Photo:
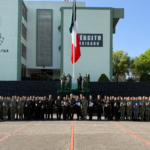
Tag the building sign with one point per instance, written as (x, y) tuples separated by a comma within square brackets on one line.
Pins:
[(1, 39), (4, 50), (91, 40), (1, 42)]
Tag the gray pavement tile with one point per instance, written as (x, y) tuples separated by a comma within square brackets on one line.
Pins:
[(46, 142), (105, 141)]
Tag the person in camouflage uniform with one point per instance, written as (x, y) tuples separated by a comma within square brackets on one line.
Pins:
[(4, 108), (129, 108), (122, 109), (147, 109), (84, 105), (85, 82), (63, 81), (142, 108), (12, 105), (20, 108)]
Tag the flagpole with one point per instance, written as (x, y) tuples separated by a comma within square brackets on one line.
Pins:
[(74, 40)]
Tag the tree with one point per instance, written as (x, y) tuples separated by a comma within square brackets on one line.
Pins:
[(121, 63), (141, 64), (103, 78)]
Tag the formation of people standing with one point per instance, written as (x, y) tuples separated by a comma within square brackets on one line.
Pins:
[(42, 108)]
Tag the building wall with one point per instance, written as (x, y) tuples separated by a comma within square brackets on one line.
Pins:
[(9, 68), (94, 60), (31, 30)]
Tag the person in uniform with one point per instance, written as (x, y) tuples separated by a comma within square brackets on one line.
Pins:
[(142, 108), (64, 104), (129, 108), (28, 109), (36, 109), (4, 109), (107, 107), (71, 106), (91, 106), (84, 105), (136, 108), (42, 108), (25, 108), (81, 98), (85, 82), (58, 107), (98, 106), (67, 99), (104, 109), (8, 110), (12, 105), (122, 109), (20, 107), (51, 105), (147, 109), (115, 108), (68, 82), (63, 79), (78, 107), (111, 107), (31, 107), (79, 81), (16, 109)]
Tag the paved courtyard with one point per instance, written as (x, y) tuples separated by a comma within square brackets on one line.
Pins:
[(74, 135)]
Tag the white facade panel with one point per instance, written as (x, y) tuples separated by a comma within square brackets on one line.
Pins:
[(31, 30), (94, 60), (8, 30)]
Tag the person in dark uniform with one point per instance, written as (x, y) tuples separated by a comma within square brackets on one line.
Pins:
[(67, 99), (107, 107), (71, 106), (111, 107), (50, 104), (98, 106), (78, 107), (104, 109), (58, 107), (64, 104), (28, 106), (36, 109), (79, 81), (31, 107), (91, 107), (116, 108), (42, 107), (81, 98)]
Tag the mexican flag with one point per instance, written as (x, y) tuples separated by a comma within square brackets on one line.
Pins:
[(75, 36)]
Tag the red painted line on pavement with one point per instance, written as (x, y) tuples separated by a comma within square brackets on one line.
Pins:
[(15, 131), (131, 133), (72, 137), (42, 133)]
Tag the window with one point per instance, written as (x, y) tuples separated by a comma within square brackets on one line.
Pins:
[(23, 51), (24, 11), (24, 32)]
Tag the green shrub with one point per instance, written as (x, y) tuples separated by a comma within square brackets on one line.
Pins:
[(103, 78), (130, 80), (145, 77), (56, 80)]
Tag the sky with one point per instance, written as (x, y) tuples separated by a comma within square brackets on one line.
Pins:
[(133, 31)]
